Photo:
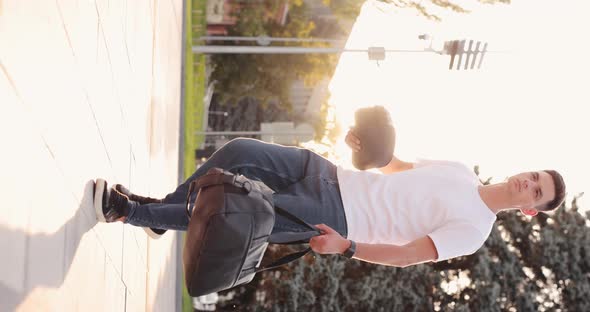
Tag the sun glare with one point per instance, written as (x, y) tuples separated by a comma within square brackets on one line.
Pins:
[(522, 110)]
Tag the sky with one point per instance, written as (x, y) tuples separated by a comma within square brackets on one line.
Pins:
[(525, 109)]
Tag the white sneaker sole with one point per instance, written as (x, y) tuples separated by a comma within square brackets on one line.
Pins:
[(151, 233), (99, 189)]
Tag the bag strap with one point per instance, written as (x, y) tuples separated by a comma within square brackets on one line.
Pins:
[(284, 260), (213, 178), (291, 237), (191, 188)]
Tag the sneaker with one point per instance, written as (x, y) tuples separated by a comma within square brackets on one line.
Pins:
[(109, 205), (151, 232), (140, 199)]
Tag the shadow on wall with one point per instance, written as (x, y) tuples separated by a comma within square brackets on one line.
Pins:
[(38, 246)]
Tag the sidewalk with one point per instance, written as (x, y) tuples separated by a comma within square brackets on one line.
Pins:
[(88, 88)]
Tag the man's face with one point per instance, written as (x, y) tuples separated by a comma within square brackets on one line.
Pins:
[(529, 190)]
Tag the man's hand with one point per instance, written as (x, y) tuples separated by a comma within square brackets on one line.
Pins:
[(353, 141), (330, 242)]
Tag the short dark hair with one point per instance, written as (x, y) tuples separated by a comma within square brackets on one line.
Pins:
[(559, 192)]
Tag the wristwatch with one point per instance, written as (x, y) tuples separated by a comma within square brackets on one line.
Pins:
[(349, 253)]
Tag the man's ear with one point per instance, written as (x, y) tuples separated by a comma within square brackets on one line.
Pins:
[(529, 211)]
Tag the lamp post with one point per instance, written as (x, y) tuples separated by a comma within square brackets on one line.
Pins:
[(454, 48), (263, 41), (374, 53), (266, 40)]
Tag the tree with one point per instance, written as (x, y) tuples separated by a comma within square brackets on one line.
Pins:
[(350, 8), (267, 77)]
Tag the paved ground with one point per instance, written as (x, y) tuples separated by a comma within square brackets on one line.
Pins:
[(88, 88)]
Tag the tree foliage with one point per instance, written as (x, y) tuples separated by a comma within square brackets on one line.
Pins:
[(267, 77), (348, 8)]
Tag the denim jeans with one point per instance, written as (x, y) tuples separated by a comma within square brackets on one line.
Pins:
[(305, 184)]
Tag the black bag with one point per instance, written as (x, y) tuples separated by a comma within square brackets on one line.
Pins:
[(229, 230)]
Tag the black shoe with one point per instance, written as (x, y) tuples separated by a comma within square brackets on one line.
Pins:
[(140, 199), (109, 205), (151, 232)]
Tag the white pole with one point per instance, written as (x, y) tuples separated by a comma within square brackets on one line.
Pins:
[(269, 39), (274, 133), (209, 49), (263, 50)]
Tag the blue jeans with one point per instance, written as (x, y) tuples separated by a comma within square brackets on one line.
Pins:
[(305, 184)]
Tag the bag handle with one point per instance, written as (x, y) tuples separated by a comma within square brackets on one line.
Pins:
[(214, 176), (290, 237), (284, 260), (191, 188)]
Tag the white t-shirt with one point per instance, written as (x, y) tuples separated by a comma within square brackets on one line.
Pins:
[(435, 198)]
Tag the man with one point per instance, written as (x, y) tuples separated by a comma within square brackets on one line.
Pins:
[(415, 213), (430, 210)]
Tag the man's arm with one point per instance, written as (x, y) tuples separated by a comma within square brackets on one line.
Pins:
[(418, 251)]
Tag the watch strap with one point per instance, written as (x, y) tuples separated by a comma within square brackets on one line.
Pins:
[(349, 253)]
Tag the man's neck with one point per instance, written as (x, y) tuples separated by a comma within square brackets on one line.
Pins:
[(396, 165), (494, 196)]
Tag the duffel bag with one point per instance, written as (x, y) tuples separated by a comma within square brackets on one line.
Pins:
[(230, 227)]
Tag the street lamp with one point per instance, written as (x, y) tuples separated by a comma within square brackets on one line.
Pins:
[(454, 48), (265, 40), (374, 53)]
